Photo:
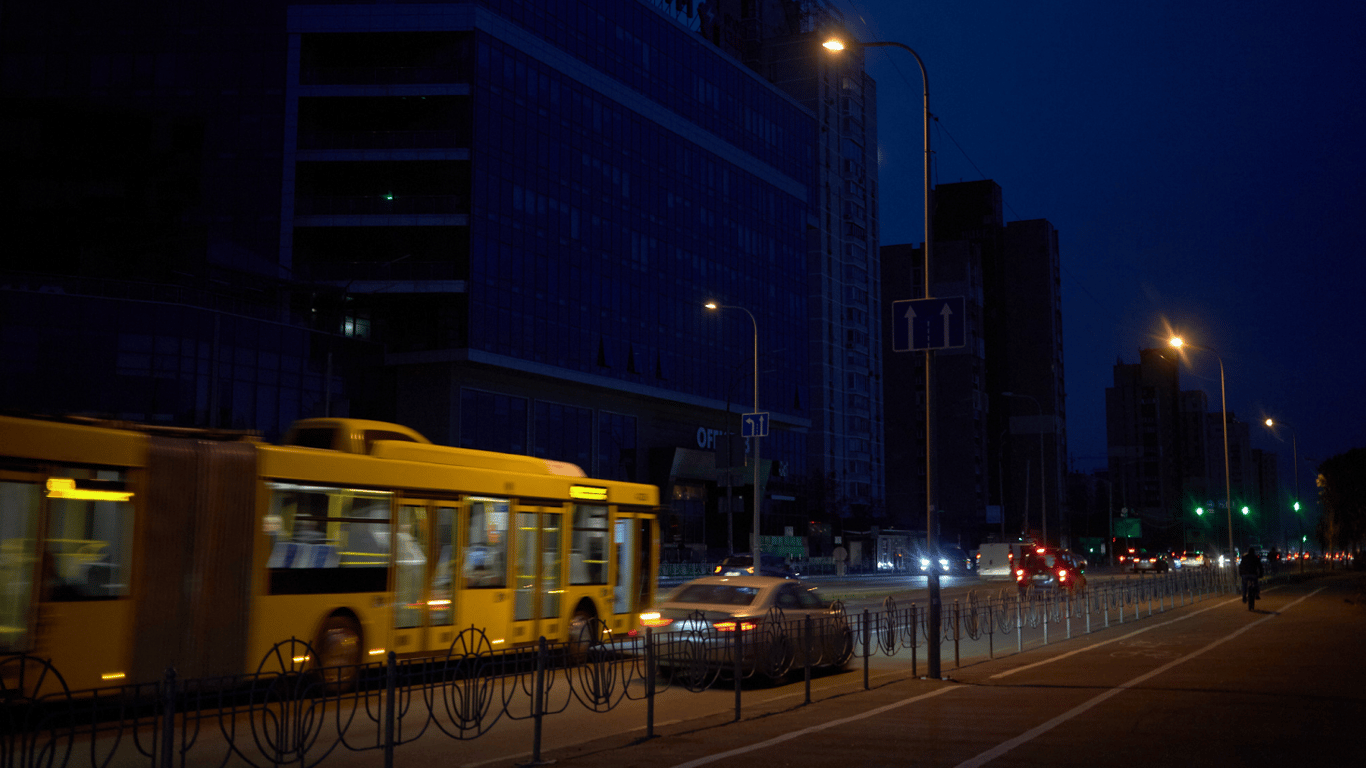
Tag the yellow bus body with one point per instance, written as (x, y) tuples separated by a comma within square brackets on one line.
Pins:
[(171, 550)]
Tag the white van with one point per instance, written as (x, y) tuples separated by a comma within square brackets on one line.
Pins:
[(996, 560)]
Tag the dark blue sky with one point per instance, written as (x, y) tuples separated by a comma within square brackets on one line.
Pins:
[(1203, 162)]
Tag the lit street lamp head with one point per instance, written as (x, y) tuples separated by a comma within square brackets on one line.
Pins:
[(1175, 341), (834, 44)]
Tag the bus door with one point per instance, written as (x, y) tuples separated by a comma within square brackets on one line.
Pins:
[(483, 599), (423, 546), (20, 497), (633, 544), (538, 589), (66, 540)]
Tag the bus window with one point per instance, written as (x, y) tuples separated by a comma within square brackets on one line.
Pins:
[(18, 561), (88, 539), (625, 542), (588, 552), (441, 613), (327, 540), (410, 563), (485, 561)]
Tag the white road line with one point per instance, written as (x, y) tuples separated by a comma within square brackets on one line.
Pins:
[(812, 729), (1004, 747), (1094, 646)]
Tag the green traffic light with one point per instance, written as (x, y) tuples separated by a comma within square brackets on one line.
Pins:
[(1199, 511), (1297, 506), (1245, 510)]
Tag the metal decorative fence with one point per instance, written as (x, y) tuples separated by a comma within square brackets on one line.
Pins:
[(287, 713)]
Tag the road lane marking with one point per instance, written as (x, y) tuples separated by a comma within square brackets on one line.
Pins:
[(1030, 735), (1094, 646), (813, 729)]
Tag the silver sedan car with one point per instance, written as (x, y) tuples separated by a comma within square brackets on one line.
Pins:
[(699, 626)]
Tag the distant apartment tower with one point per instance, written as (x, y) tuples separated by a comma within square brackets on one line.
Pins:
[(999, 461), (1167, 461), (1144, 441)]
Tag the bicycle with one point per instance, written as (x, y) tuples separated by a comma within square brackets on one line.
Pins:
[(1252, 591)]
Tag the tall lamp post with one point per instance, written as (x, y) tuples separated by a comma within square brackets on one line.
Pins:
[(1178, 343), (1043, 473), (1295, 457), (756, 494), (932, 652)]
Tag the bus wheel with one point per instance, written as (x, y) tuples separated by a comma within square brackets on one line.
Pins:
[(339, 652)]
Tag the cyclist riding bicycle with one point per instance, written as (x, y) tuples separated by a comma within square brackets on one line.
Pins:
[(1250, 568)]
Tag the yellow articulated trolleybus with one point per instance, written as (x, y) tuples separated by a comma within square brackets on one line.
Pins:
[(126, 550)]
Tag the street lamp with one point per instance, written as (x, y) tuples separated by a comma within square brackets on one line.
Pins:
[(1178, 343), (932, 655), (756, 494), (1295, 457), (1043, 475)]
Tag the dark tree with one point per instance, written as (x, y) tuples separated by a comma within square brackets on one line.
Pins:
[(1342, 499)]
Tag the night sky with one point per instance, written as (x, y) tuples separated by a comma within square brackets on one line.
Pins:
[(1203, 163)]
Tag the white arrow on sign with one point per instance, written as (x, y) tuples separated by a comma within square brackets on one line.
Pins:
[(946, 313)]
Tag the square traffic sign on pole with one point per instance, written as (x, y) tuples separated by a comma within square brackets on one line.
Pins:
[(921, 324), (754, 425)]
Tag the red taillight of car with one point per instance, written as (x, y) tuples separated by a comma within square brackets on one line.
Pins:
[(654, 620), (1019, 574), (730, 626), (1062, 574)]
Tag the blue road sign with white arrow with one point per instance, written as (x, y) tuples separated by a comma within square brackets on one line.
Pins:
[(920, 324), (754, 425)]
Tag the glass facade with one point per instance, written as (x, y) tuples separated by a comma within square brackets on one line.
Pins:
[(597, 232), (494, 221), (165, 363), (607, 173)]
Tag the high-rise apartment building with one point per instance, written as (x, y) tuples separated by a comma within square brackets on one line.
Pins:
[(1167, 461), (1144, 436), (1000, 460)]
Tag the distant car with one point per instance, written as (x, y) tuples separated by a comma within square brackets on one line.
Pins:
[(695, 626), (743, 565), (1191, 558), (950, 559), (1154, 562), (1050, 568)]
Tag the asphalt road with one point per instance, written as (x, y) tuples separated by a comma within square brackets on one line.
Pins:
[(1205, 684)]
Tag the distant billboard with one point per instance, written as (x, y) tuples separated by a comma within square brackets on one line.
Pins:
[(1129, 527)]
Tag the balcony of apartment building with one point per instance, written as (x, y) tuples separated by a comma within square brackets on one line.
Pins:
[(387, 126), (385, 58), (384, 126)]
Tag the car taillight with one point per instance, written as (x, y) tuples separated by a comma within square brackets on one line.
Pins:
[(1062, 574), (654, 620), (730, 626), (1019, 574)]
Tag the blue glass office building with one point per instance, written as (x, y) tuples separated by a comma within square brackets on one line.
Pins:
[(554, 190), (499, 221)]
